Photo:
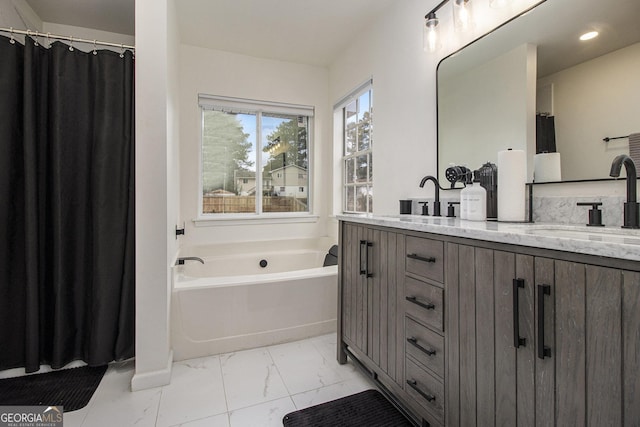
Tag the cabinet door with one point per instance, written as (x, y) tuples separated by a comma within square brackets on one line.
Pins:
[(353, 286), (490, 379), (382, 308), (370, 273), (589, 353)]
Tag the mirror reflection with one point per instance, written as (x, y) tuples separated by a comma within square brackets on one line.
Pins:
[(534, 85)]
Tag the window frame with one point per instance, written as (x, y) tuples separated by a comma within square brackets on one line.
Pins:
[(258, 108), (340, 108)]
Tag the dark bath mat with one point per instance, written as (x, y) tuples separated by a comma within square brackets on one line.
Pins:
[(70, 388), (368, 408)]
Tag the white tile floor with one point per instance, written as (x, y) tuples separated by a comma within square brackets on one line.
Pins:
[(247, 388)]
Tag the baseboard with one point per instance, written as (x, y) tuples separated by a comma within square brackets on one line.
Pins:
[(190, 349), (146, 380)]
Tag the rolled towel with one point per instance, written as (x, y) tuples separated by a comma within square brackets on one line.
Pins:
[(634, 148)]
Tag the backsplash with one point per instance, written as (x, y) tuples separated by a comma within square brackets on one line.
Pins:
[(556, 209), (564, 210)]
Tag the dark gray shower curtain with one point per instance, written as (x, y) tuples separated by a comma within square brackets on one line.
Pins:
[(66, 206)]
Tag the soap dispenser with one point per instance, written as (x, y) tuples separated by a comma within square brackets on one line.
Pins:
[(476, 200), (464, 196)]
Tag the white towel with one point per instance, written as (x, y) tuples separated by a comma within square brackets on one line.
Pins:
[(634, 148)]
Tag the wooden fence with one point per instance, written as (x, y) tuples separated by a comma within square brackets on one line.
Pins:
[(247, 204)]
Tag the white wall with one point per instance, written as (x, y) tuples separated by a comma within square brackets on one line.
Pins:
[(404, 92), (593, 100), (154, 224), (228, 74)]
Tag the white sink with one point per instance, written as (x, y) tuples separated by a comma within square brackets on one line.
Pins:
[(604, 234)]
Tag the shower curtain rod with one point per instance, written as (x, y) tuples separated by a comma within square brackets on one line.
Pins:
[(71, 39)]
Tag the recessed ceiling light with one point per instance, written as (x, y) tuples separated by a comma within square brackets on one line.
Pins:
[(588, 36)]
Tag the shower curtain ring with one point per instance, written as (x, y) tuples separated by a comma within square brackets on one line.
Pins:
[(71, 43), (12, 40), (121, 50), (94, 48), (36, 42), (48, 40)]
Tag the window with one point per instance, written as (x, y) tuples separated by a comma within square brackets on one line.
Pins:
[(357, 151), (249, 150)]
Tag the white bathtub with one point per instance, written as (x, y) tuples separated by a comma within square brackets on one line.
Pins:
[(232, 303)]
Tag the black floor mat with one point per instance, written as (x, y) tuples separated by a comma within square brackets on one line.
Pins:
[(70, 388), (368, 408)]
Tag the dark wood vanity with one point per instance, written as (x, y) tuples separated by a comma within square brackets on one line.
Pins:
[(466, 332)]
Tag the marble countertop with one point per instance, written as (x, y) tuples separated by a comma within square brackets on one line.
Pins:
[(612, 242)]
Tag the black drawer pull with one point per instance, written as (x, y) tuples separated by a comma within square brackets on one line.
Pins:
[(517, 340), (421, 258), (427, 305), (368, 273), (414, 342), (414, 385), (363, 268), (543, 351)]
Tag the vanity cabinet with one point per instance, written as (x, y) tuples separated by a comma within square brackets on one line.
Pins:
[(465, 332), (369, 291), (533, 340), (391, 308)]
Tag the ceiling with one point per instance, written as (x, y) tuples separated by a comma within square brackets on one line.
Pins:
[(116, 16), (305, 31)]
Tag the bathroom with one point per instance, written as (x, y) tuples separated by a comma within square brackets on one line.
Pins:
[(387, 47)]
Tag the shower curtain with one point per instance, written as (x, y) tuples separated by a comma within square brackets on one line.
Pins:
[(66, 205)]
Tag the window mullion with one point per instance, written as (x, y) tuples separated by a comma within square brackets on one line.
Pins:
[(259, 162)]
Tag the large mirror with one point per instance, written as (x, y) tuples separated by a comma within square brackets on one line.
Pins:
[(533, 85)]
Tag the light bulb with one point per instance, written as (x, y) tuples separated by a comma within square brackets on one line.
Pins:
[(462, 15), (430, 41)]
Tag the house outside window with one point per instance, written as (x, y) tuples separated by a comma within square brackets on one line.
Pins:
[(357, 160), (253, 154)]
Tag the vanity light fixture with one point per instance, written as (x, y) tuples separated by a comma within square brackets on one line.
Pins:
[(588, 36), (430, 38), (430, 33), (462, 15)]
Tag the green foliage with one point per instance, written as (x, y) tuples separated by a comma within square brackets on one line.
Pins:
[(288, 145), (225, 149)]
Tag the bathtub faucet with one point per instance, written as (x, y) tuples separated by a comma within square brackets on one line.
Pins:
[(181, 261)]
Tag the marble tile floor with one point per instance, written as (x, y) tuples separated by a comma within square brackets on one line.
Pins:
[(248, 388)]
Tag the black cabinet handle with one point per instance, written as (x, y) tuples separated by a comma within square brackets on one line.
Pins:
[(421, 258), (363, 269), (367, 272), (414, 342), (543, 351), (517, 340), (414, 385), (428, 305)]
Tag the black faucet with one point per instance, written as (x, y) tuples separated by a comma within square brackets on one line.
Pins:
[(436, 203), (181, 261), (631, 210)]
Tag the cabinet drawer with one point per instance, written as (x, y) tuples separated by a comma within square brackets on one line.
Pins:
[(425, 346), (425, 257), (424, 302), (425, 389)]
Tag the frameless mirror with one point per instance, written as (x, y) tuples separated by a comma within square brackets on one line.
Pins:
[(492, 92)]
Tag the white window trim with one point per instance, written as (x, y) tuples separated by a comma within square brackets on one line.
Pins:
[(339, 156), (209, 102)]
